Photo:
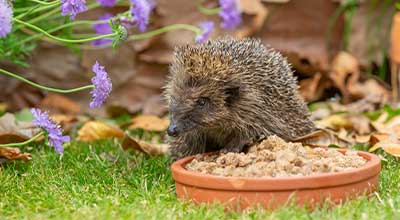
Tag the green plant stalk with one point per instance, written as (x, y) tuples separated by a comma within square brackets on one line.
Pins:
[(348, 17), (332, 20), (91, 6), (207, 11), (164, 30), (59, 28), (63, 39), (43, 2), (41, 8), (24, 142), (7, 73)]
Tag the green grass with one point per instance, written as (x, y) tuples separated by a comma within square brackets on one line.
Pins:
[(100, 181)]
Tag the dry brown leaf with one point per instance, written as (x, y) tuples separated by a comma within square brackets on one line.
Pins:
[(360, 123), (96, 130), (344, 73), (390, 148), (60, 103), (12, 130), (148, 148), (320, 113), (67, 122), (311, 89), (62, 119), (393, 149), (334, 122), (13, 153), (362, 139), (390, 127), (371, 87), (149, 123), (378, 137), (323, 138), (260, 12)]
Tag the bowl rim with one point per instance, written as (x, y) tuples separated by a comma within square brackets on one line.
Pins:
[(369, 170)]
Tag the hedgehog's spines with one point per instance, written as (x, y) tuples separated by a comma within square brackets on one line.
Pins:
[(253, 86)]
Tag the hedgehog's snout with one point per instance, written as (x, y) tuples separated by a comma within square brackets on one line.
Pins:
[(172, 130)]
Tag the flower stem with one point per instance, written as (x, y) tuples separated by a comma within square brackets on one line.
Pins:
[(83, 22), (23, 143), (5, 72), (56, 11), (63, 39), (44, 2), (207, 11), (41, 8), (165, 29)]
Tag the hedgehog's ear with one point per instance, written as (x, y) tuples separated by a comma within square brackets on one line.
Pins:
[(232, 95)]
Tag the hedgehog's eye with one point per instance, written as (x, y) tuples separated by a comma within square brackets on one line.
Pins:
[(202, 101)]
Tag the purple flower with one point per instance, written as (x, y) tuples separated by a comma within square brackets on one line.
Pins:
[(102, 86), (141, 12), (103, 28), (206, 27), (73, 7), (230, 14), (107, 3), (56, 139), (5, 18)]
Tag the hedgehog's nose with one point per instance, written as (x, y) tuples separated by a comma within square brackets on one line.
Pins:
[(172, 130)]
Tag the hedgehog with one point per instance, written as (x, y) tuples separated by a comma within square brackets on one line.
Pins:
[(226, 94)]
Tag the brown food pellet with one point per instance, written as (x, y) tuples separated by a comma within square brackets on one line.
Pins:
[(274, 157)]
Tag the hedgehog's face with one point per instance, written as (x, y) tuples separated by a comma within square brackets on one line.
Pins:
[(196, 106)]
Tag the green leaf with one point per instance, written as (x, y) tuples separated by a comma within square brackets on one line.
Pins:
[(24, 115)]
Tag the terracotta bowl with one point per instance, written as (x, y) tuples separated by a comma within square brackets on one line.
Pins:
[(272, 193)]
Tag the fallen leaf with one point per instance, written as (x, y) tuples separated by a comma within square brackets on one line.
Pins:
[(12, 130), (96, 130), (60, 103), (260, 12), (312, 89), (390, 127), (362, 139), (393, 149), (368, 103), (13, 153), (68, 122), (323, 138), (390, 148), (344, 73), (149, 123), (378, 137), (334, 122), (148, 148), (368, 88), (320, 113), (393, 126), (360, 123)]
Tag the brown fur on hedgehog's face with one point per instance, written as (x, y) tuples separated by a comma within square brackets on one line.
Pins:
[(198, 90), (195, 104)]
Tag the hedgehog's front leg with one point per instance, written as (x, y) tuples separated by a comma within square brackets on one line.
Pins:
[(236, 144), (186, 146)]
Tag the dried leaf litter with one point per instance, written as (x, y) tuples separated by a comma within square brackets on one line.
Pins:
[(274, 157)]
